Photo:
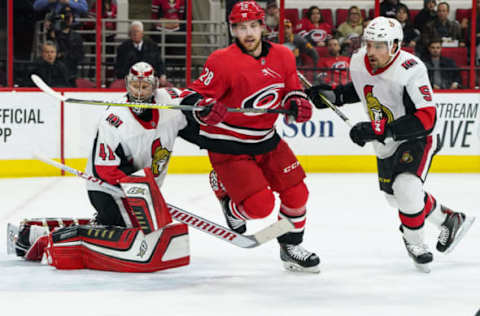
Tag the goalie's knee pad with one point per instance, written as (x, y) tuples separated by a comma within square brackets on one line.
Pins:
[(295, 197), (259, 205)]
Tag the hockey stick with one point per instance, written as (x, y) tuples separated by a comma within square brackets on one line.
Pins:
[(277, 229), (48, 90), (325, 100)]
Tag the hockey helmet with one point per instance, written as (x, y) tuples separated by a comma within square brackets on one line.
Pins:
[(246, 11), (139, 73), (382, 29)]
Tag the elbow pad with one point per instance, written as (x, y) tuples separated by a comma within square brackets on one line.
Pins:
[(407, 127)]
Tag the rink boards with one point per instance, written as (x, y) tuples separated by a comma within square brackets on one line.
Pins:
[(31, 121)]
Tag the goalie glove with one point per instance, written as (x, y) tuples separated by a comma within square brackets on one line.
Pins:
[(299, 106), (213, 111)]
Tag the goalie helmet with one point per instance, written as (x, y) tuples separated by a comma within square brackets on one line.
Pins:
[(246, 11), (139, 74), (382, 29)]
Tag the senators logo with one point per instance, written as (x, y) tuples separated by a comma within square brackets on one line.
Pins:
[(160, 157), (376, 110), (406, 157)]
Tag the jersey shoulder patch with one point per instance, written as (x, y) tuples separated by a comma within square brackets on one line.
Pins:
[(114, 120), (409, 63)]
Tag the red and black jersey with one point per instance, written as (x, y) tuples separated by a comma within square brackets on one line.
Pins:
[(240, 80), (168, 9), (334, 70)]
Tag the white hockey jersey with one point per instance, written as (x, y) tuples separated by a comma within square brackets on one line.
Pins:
[(400, 88), (125, 144)]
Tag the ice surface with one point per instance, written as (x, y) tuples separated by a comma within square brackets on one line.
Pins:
[(364, 270)]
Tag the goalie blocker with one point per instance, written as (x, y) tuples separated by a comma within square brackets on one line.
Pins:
[(152, 244)]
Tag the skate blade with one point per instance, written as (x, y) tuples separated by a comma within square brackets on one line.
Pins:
[(422, 267), (463, 230), (293, 267), (12, 235)]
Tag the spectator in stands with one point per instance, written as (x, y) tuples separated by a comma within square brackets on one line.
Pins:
[(69, 42), (353, 24), (477, 33), (410, 33), (272, 19), (109, 11), (136, 49), (441, 27), (334, 68), (79, 7), (442, 71), (298, 44), (313, 28), (425, 15), (173, 10), (51, 70), (389, 8)]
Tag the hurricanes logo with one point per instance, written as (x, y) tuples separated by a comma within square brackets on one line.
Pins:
[(406, 157), (160, 157), (376, 111)]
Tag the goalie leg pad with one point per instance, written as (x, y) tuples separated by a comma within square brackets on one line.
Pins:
[(119, 249), (147, 208)]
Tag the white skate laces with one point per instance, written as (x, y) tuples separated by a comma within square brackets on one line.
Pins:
[(298, 252)]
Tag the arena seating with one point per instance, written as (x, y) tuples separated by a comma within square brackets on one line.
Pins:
[(326, 13), (84, 83), (118, 84), (341, 15)]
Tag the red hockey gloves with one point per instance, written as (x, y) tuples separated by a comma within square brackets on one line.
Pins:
[(364, 132), (299, 106), (213, 113)]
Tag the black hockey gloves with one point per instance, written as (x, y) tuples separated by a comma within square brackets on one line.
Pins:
[(325, 90), (363, 132)]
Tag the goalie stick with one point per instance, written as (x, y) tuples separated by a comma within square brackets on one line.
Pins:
[(245, 241), (48, 90), (325, 100)]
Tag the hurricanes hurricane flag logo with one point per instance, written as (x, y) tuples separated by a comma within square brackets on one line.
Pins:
[(379, 114)]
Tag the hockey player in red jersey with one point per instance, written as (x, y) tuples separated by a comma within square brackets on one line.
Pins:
[(393, 86), (248, 156)]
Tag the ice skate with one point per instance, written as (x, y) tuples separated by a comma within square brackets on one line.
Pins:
[(295, 258), (235, 224), (453, 229), (420, 254)]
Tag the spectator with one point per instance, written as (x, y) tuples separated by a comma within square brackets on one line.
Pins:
[(389, 8), (441, 27), (173, 10), (109, 11), (79, 7), (51, 70), (335, 67), (313, 28), (442, 71), (272, 18), (136, 49), (410, 33), (425, 15), (477, 33), (69, 42), (298, 45), (353, 24)]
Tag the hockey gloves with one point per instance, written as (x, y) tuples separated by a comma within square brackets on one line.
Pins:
[(326, 91), (364, 132), (213, 112), (299, 106)]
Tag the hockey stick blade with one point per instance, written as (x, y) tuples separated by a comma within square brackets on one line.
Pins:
[(245, 241), (45, 88), (12, 235), (325, 100), (268, 233)]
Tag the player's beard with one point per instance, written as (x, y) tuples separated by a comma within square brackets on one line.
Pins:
[(252, 47)]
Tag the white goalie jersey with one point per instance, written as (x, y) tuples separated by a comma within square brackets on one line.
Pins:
[(125, 144), (401, 88)]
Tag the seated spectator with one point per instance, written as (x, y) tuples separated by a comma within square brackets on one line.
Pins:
[(51, 70), (353, 24), (174, 11), (334, 68), (442, 71), (313, 28), (136, 49), (425, 15), (109, 11), (298, 45), (389, 8), (477, 33), (272, 19), (79, 7), (69, 42), (410, 33), (442, 28)]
